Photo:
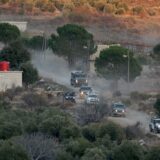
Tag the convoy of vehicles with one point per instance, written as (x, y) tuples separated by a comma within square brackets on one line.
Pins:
[(79, 79)]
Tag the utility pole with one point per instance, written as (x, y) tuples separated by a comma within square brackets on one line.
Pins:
[(88, 57), (128, 79), (44, 45)]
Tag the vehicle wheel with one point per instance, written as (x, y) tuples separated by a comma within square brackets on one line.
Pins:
[(155, 131), (151, 130)]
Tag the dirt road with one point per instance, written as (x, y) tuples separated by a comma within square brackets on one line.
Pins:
[(132, 117), (56, 68)]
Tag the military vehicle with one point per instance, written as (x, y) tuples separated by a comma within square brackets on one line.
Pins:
[(78, 78)]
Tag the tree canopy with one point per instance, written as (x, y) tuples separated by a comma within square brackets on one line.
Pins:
[(30, 74), (156, 50), (157, 106), (10, 151), (16, 54), (153, 154), (72, 41), (36, 42), (128, 151), (8, 33), (113, 64)]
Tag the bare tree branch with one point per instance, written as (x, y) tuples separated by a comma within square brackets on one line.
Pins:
[(38, 146)]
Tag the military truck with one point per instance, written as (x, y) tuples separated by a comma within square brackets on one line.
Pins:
[(78, 78)]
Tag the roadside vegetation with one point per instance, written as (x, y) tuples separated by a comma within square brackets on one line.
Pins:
[(16, 53), (113, 64), (36, 125), (26, 134)]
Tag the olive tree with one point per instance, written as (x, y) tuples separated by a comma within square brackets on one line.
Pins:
[(15, 53), (8, 33), (156, 50), (30, 73), (37, 146), (94, 154), (128, 151), (10, 151), (113, 63), (72, 42), (153, 154)]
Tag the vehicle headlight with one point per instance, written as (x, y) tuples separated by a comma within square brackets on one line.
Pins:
[(76, 81), (82, 93), (116, 110), (123, 111), (158, 125), (86, 81)]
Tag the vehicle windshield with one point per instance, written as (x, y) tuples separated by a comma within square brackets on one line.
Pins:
[(119, 106), (157, 120), (81, 76), (85, 88), (93, 96)]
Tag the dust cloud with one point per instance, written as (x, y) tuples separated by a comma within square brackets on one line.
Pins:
[(56, 68), (51, 66)]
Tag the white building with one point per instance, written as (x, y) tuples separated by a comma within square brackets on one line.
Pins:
[(9, 79), (21, 25)]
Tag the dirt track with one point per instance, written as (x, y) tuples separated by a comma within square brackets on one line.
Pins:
[(132, 117), (56, 68)]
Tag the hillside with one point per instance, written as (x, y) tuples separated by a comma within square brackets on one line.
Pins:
[(117, 7), (130, 22)]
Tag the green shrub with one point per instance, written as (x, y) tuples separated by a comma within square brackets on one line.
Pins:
[(9, 129), (105, 141), (77, 147), (63, 155), (153, 154), (30, 74), (52, 125), (31, 126), (115, 132), (10, 151), (69, 132), (156, 50), (38, 42), (16, 54), (8, 33), (128, 151), (89, 133), (94, 154)]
